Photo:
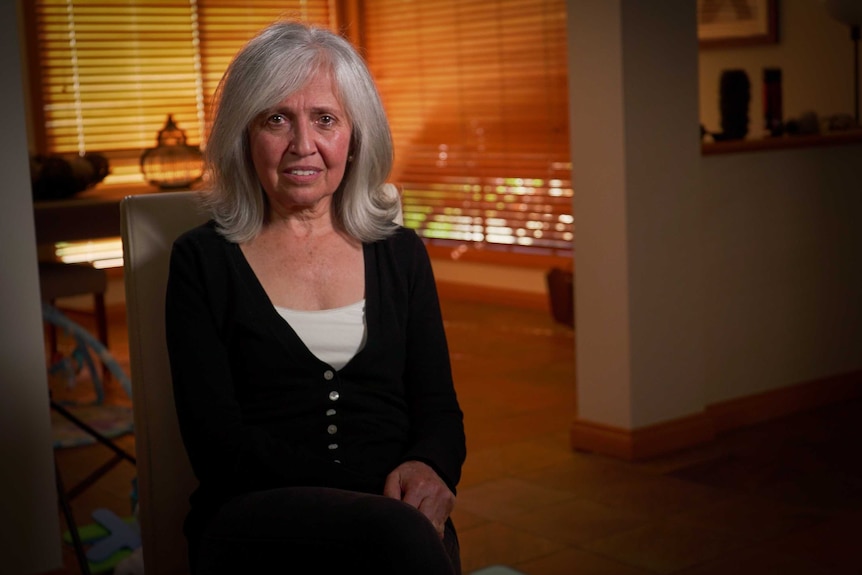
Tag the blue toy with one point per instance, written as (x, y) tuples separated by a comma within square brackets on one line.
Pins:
[(111, 539)]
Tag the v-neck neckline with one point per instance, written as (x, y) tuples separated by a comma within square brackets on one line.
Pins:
[(283, 330)]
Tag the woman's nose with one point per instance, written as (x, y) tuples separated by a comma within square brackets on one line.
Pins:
[(301, 141)]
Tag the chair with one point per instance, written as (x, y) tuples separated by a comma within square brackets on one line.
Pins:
[(84, 422), (58, 280), (150, 223)]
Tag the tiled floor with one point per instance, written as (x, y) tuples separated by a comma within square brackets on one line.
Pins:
[(783, 497)]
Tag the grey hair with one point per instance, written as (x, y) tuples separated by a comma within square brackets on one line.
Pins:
[(277, 62)]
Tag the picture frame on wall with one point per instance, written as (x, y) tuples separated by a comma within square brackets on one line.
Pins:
[(724, 23)]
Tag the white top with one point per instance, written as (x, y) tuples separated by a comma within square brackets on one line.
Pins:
[(334, 336)]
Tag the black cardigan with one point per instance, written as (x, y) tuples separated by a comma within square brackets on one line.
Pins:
[(258, 410)]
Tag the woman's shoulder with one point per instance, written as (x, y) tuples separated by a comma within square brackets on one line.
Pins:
[(403, 246), (204, 234), (203, 243), (403, 238)]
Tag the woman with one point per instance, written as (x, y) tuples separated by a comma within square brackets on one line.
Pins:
[(310, 366)]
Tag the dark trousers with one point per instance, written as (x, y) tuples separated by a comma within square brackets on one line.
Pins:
[(299, 530)]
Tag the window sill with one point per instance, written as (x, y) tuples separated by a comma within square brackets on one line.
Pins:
[(472, 254)]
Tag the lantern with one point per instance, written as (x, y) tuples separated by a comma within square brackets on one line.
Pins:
[(172, 163)]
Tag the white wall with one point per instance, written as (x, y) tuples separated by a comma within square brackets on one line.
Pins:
[(781, 238), (635, 154), (29, 528), (597, 136), (816, 57), (783, 278), (662, 178), (699, 278)]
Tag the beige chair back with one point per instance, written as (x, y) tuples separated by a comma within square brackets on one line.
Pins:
[(150, 224)]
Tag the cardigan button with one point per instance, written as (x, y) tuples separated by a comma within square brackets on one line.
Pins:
[(330, 412), (328, 375), (332, 446), (332, 429), (333, 395)]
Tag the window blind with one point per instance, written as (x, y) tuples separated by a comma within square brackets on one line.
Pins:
[(226, 25), (476, 93), (475, 90), (108, 73)]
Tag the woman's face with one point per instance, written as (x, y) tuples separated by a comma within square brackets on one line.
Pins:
[(299, 148)]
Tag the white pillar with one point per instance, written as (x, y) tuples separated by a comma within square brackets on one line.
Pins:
[(29, 529), (636, 164)]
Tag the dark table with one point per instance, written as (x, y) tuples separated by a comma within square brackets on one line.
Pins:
[(90, 215)]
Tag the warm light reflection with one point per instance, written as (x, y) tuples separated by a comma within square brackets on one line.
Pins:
[(532, 213), (109, 263), (107, 253)]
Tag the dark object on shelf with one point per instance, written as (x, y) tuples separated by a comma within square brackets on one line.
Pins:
[(773, 120), (806, 124), (172, 164), (561, 294), (841, 123), (735, 95), (55, 177)]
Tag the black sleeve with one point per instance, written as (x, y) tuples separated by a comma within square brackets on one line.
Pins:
[(436, 419)]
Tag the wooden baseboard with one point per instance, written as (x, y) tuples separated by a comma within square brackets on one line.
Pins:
[(742, 412), (501, 296), (722, 417), (641, 443)]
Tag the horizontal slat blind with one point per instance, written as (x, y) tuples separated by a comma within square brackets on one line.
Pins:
[(110, 72), (226, 25), (476, 93)]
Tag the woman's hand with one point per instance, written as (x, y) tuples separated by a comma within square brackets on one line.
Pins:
[(416, 484)]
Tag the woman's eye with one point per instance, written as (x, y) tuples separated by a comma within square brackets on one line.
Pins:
[(326, 120), (276, 119)]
